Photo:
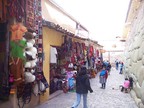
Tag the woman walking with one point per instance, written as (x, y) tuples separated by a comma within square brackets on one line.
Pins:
[(82, 87)]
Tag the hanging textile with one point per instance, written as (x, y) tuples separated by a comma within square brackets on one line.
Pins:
[(18, 31), (16, 9), (16, 48), (30, 17), (16, 69), (53, 55), (38, 29)]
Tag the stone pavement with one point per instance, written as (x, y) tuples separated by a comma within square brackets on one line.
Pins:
[(111, 97)]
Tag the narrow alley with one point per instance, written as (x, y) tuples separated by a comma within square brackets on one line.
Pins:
[(111, 97)]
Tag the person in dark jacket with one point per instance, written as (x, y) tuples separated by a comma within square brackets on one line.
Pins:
[(82, 87)]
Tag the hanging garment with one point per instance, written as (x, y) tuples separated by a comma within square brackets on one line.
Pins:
[(16, 48), (53, 55), (16, 69), (24, 94), (18, 31)]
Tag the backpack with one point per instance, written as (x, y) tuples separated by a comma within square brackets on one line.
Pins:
[(103, 72)]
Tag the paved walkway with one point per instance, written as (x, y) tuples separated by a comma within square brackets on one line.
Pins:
[(100, 98)]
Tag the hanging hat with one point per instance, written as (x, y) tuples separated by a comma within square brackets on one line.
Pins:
[(29, 53), (33, 50), (29, 45), (42, 86), (36, 60), (33, 63), (28, 65), (32, 41), (32, 71), (34, 56), (29, 77), (34, 34), (70, 65)]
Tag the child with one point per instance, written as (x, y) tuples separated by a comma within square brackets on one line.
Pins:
[(125, 85), (103, 77)]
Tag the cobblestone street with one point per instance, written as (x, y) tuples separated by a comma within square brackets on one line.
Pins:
[(111, 97)]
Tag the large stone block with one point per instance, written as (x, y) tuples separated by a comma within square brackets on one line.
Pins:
[(137, 89), (138, 67), (142, 92), (130, 62), (143, 59), (141, 105), (131, 48), (140, 75), (127, 55), (127, 63), (134, 55), (140, 54), (134, 68), (142, 47), (137, 43), (134, 77)]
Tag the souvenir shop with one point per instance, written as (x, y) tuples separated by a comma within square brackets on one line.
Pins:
[(67, 52), (21, 53)]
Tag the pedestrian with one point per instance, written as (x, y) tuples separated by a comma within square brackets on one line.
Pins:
[(103, 77), (117, 63), (125, 85), (82, 87), (121, 67), (108, 67)]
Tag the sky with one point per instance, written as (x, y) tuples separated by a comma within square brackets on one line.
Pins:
[(104, 19)]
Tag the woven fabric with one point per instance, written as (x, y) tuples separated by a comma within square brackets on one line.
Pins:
[(17, 48)]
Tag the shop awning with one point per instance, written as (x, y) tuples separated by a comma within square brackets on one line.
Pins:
[(51, 13)]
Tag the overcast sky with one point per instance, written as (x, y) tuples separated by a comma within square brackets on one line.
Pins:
[(103, 18)]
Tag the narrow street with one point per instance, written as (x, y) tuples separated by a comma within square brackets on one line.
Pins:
[(111, 97)]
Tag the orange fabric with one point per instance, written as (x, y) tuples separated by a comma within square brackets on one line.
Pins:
[(18, 31)]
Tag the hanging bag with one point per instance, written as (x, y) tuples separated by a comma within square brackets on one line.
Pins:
[(24, 93)]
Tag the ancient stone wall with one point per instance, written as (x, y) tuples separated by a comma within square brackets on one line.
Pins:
[(134, 61)]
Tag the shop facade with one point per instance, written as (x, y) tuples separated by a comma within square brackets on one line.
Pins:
[(69, 49), (28, 41)]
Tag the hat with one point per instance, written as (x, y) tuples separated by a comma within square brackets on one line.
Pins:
[(70, 65), (34, 56), (33, 50), (27, 65), (33, 63), (29, 53), (34, 34), (29, 77), (29, 45), (32, 41)]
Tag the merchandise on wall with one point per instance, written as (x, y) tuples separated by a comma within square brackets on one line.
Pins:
[(21, 53)]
